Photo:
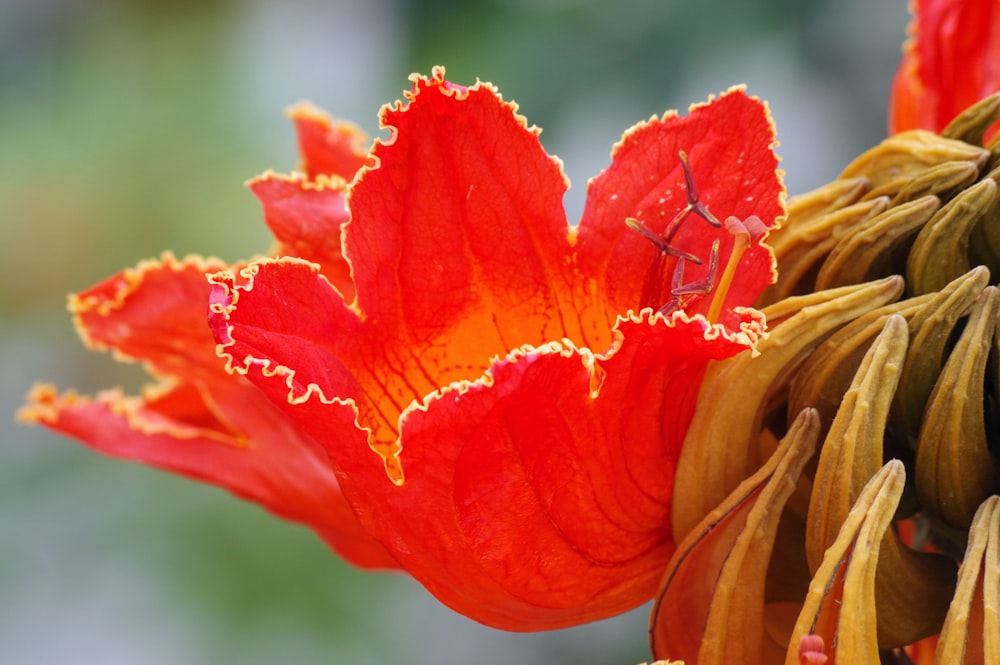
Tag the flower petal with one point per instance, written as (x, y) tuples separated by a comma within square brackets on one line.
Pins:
[(949, 63), (306, 217), (540, 445), (729, 144), (460, 253), (459, 230), (328, 147), (459, 249), (208, 438), (153, 313), (284, 315), (200, 422)]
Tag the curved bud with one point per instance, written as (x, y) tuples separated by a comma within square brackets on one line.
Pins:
[(710, 607), (931, 329), (955, 470), (971, 124), (827, 374), (971, 630), (721, 448), (854, 443), (913, 588), (826, 199), (866, 250), (941, 251), (943, 180), (801, 245), (907, 153), (840, 605), (984, 241)]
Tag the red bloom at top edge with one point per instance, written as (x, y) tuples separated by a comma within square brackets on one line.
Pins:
[(501, 411), (951, 61)]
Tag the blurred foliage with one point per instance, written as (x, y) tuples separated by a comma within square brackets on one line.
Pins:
[(122, 137), (545, 50)]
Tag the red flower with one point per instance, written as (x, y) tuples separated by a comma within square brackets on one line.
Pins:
[(492, 424), (501, 410), (951, 61)]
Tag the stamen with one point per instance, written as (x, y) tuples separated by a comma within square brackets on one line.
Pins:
[(661, 243), (745, 232), (694, 200), (652, 292), (700, 287), (679, 290)]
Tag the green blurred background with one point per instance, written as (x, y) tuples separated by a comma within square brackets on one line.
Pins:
[(127, 128)]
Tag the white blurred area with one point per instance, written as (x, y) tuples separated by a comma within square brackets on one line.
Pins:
[(111, 563)]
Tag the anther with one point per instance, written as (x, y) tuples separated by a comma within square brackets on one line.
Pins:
[(694, 199), (681, 291), (652, 293), (662, 244)]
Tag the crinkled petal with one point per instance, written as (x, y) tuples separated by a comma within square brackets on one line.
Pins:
[(459, 232), (573, 448), (285, 314), (949, 63), (460, 253), (328, 147), (459, 249), (201, 422), (231, 437), (729, 144), (154, 313), (306, 217)]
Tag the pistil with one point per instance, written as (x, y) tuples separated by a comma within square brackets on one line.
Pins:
[(744, 232)]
